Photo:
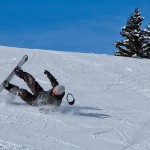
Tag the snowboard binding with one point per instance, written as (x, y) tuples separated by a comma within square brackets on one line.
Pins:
[(7, 85), (18, 71)]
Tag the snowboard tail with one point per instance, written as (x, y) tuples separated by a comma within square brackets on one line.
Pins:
[(11, 75)]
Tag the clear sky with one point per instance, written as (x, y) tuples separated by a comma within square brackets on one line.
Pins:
[(90, 26)]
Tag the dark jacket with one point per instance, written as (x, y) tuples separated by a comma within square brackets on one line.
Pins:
[(47, 97)]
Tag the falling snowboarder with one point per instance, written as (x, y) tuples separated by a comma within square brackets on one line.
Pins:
[(54, 96)]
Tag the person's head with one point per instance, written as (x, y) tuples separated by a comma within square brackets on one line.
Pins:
[(58, 90)]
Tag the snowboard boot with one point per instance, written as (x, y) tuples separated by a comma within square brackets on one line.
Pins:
[(11, 88), (18, 71)]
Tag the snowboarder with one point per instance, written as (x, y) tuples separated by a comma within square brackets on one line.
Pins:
[(54, 96)]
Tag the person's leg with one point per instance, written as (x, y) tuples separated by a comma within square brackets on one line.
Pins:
[(27, 97), (24, 94), (30, 81)]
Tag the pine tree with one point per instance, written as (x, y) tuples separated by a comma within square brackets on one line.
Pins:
[(146, 43), (133, 37)]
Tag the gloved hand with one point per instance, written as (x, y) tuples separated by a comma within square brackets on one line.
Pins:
[(47, 73)]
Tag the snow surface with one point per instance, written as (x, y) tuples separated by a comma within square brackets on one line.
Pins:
[(111, 112)]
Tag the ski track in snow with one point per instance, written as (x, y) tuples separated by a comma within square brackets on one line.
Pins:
[(111, 112)]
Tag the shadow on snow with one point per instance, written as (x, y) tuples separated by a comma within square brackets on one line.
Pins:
[(85, 112)]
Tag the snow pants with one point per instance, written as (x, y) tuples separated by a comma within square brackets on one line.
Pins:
[(33, 85)]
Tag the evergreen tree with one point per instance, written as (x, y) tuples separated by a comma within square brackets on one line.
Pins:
[(133, 37), (146, 43)]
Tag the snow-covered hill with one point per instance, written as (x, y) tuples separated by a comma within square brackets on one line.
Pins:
[(112, 109)]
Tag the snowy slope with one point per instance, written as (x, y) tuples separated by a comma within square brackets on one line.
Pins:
[(112, 109)]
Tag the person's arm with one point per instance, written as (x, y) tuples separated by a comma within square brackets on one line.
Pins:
[(52, 79)]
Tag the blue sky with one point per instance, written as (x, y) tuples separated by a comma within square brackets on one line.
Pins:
[(90, 26)]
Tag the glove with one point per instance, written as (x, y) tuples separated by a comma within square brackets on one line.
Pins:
[(47, 73)]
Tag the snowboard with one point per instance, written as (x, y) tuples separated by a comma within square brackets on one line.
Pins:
[(11, 75)]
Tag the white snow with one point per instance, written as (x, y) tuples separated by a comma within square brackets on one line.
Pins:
[(111, 112)]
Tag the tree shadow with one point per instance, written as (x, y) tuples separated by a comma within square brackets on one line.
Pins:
[(95, 112), (89, 108), (95, 115)]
